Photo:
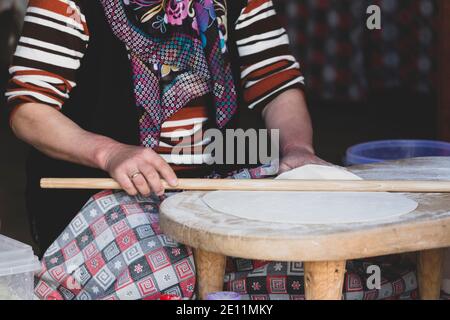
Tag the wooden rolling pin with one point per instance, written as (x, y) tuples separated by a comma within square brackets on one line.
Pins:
[(264, 185)]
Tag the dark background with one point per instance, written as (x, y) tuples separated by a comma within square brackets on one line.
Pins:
[(362, 85)]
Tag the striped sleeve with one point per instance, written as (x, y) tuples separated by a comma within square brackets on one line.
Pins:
[(268, 67), (49, 52)]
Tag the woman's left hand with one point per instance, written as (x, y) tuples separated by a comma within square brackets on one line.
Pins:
[(298, 157)]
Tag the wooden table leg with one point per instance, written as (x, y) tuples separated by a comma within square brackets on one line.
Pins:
[(429, 273), (210, 272), (324, 280)]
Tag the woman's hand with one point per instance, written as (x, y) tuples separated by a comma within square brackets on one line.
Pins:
[(137, 169), (289, 114), (298, 157)]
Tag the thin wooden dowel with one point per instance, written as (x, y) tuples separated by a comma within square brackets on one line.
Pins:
[(263, 185)]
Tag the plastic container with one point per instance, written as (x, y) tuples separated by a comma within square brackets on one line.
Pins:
[(379, 151), (17, 267)]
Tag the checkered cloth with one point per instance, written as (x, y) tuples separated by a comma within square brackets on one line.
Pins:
[(259, 280), (114, 249)]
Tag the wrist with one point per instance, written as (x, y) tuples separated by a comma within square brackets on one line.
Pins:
[(102, 153), (297, 147)]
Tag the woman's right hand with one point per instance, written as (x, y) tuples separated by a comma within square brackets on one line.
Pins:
[(53, 133), (137, 169)]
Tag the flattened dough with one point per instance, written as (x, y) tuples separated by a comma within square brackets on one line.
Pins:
[(311, 207), (316, 172)]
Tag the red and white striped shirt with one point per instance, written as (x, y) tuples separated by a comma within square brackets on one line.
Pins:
[(56, 35)]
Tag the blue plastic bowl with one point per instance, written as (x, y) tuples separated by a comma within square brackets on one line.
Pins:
[(379, 151)]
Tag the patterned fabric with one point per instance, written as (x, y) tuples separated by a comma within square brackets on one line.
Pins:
[(398, 279), (114, 249), (346, 61), (49, 55), (268, 67), (260, 280), (190, 40), (53, 42)]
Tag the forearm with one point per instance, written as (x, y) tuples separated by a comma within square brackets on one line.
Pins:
[(51, 132), (289, 113)]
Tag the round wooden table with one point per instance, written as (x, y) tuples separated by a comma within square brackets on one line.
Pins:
[(324, 249)]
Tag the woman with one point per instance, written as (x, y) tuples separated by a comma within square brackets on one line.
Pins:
[(110, 88)]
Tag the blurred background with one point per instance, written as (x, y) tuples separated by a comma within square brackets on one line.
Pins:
[(362, 84)]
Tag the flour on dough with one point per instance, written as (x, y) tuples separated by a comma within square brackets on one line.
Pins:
[(311, 207), (318, 172)]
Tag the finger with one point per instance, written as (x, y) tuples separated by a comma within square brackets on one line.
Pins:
[(167, 173), (326, 163), (284, 168), (300, 162), (126, 184), (319, 161), (141, 185), (153, 179)]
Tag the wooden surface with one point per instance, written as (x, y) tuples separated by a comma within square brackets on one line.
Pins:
[(210, 269), (187, 219), (444, 70), (324, 280), (429, 268), (263, 185)]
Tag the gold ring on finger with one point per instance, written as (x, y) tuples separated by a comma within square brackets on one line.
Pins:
[(135, 175)]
